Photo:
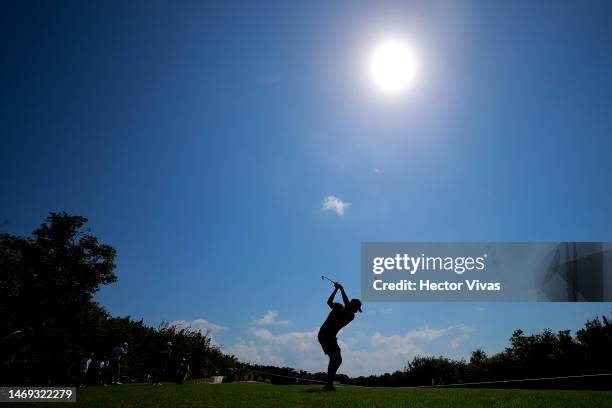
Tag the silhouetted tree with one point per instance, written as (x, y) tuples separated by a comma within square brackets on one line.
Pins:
[(595, 339), (49, 317), (46, 287)]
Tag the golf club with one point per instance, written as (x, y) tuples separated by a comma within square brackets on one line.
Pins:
[(323, 277)]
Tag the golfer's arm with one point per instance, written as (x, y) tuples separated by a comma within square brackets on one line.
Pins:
[(345, 298), (330, 301)]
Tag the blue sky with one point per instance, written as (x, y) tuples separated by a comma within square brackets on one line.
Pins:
[(201, 140)]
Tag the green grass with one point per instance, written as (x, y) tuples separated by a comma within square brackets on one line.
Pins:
[(266, 395)]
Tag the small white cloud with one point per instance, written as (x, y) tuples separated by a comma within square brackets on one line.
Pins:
[(201, 325), (333, 203), (376, 170), (245, 351), (302, 341), (262, 334), (271, 318), (466, 332), (408, 341)]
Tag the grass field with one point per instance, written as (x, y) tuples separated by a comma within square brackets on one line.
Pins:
[(266, 395)]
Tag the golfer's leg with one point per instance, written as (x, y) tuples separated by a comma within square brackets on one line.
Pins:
[(338, 362), (330, 369), (335, 359)]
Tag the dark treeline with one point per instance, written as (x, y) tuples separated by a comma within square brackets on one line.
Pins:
[(546, 354), (50, 320)]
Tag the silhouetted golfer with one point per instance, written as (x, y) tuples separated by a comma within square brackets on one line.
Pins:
[(340, 316)]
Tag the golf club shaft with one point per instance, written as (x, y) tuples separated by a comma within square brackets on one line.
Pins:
[(325, 277)]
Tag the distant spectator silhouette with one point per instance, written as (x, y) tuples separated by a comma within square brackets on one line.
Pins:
[(84, 368), (114, 369), (163, 362), (101, 367), (182, 372)]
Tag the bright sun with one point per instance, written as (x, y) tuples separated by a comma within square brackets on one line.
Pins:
[(393, 67)]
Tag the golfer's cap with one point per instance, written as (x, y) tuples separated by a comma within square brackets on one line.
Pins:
[(359, 303), (124, 344)]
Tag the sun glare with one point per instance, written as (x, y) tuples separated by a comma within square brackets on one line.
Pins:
[(393, 67)]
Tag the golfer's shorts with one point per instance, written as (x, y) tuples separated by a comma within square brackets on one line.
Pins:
[(329, 344)]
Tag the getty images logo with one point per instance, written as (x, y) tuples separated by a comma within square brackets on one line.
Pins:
[(414, 264)]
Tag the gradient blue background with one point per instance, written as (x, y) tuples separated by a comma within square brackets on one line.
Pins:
[(200, 140)]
